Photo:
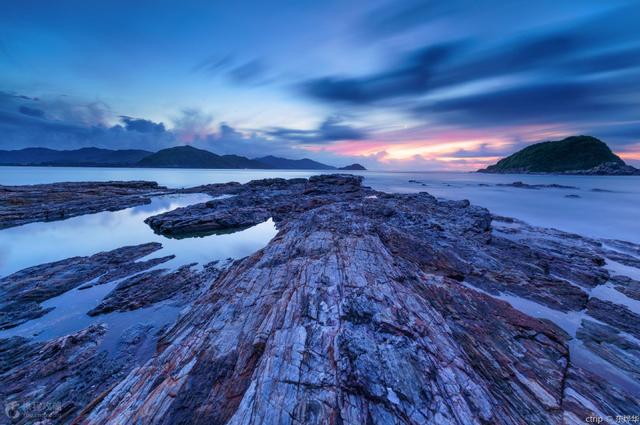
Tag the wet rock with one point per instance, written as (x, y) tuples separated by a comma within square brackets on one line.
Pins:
[(154, 286), (254, 203), (49, 202), (626, 285), (358, 311), (616, 315), (51, 382), (612, 345), (522, 185), (22, 292)]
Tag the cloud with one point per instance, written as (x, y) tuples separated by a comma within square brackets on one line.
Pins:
[(330, 130), (550, 54), (33, 112), (530, 104), (141, 125), (414, 74), (192, 124), (251, 72), (61, 123), (213, 65)]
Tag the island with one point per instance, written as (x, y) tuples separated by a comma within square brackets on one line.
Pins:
[(353, 167), (573, 155)]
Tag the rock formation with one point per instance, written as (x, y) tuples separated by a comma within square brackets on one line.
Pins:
[(366, 307), (49, 202)]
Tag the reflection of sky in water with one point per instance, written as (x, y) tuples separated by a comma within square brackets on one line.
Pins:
[(38, 243), (596, 214)]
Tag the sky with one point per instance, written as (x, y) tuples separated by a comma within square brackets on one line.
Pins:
[(393, 85)]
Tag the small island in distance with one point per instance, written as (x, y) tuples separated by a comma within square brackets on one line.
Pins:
[(175, 157), (573, 155)]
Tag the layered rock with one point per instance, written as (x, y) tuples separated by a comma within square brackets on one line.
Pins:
[(360, 311), (143, 289), (365, 308), (48, 202), (22, 292)]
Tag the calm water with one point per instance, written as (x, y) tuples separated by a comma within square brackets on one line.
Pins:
[(612, 211), (38, 243)]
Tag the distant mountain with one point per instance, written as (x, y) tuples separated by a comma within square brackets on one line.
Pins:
[(78, 157), (190, 157), (353, 167), (573, 155), (176, 157), (293, 164)]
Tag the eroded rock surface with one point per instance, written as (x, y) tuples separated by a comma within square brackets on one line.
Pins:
[(51, 382), (365, 308), (361, 310), (157, 285), (48, 202), (22, 292)]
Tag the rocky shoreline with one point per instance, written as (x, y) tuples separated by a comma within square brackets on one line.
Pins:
[(366, 307), (605, 169)]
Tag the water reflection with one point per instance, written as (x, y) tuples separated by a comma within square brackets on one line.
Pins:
[(38, 243)]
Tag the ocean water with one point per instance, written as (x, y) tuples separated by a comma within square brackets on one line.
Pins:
[(600, 206)]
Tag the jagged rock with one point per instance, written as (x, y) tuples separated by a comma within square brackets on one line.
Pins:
[(153, 286), (358, 311), (616, 315), (260, 200), (626, 285), (522, 185), (611, 345), (48, 202), (609, 169), (22, 292), (51, 382), (366, 307)]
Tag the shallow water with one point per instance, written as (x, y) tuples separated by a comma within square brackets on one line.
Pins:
[(43, 242), (38, 243), (610, 212)]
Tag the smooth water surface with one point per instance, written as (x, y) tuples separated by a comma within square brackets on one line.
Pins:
[(38, 243), (43, 242)]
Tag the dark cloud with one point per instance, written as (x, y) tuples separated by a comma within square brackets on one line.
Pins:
[(142, 125), (62, 124), (33, 112), (400, 16), (330, 130), (548, 56), (412, 75), (536, 103)]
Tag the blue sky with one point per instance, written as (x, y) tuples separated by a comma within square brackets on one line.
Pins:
[(391, 84)]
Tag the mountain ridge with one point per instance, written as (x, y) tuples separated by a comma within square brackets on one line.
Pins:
[(175, 157)]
